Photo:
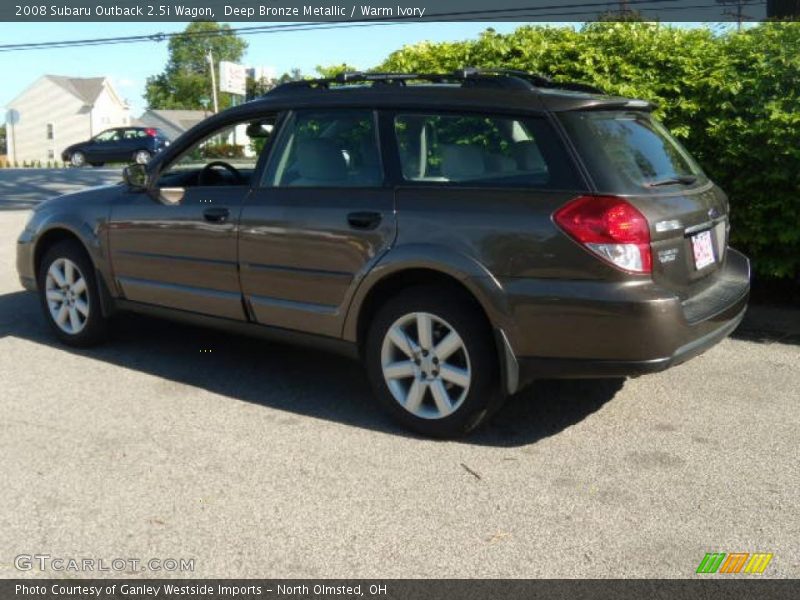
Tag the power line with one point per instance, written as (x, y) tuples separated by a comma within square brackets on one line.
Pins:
[(528, 11)]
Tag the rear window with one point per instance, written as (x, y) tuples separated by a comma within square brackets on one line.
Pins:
[(481, 150), (134, 134), (630, 151)]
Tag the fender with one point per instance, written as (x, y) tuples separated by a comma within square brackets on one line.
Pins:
[(483, 285), (478, 280), (90, 228)]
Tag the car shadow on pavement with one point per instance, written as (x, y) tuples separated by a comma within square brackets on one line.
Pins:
[(768, 324), (295, 379)]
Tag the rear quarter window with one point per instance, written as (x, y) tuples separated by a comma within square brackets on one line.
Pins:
[(629, 151), (481, 150)]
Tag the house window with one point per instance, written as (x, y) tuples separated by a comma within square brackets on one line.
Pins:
[(50, 134), (51, 155)]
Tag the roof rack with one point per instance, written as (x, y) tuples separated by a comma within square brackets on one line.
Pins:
[(537, 80), (466, 77)]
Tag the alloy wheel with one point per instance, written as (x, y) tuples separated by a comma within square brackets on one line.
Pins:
[(142, 157), (67, 296), (78, 159), (426, 365)]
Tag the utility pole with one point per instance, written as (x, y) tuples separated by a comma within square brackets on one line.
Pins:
[(738, 13), (739, 16), (210, 58), (12, 118), (13, 142)]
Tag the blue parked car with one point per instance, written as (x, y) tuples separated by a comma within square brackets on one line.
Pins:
[(121, 144)]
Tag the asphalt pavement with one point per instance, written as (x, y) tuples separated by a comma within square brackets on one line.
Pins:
[(263, 460), (24, 188)]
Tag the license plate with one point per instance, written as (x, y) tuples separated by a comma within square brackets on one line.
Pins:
[(703, 249)]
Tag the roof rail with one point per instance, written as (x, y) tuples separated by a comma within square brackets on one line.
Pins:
[(466, 77), (535, 79)]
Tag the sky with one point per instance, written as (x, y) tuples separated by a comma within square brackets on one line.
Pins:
[(129, 65)]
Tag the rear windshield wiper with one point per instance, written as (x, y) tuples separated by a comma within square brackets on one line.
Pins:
[(683, 179)]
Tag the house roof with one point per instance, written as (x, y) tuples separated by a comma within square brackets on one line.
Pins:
[(180, 119), (86, 89)]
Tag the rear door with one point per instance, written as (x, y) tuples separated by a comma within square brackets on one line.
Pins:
[(630, 154), (133, 139), (318, 222), (104, 146)]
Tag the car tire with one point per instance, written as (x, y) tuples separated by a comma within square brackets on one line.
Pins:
[(141, 157), (77, 159), (69, 295), (441, 386)]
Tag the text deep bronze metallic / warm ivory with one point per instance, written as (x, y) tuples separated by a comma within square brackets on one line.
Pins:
[(462, 234)]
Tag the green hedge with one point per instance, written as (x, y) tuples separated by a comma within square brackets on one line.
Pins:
[(732, 98)]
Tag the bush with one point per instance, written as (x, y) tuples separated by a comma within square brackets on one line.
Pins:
[(751, 142), (733, 99), (222, 151)]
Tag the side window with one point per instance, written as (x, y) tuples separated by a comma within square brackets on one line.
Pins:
[(226, 157), (109, 135), (134, 134), (332, 148), (477, 149)]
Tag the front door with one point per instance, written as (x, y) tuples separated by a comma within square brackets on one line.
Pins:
[(176, 245), (321, 218)]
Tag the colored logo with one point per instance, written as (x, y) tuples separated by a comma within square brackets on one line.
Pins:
[(736, 562)]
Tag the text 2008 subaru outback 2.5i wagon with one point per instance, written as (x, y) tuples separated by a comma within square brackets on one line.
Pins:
[(463, 234)]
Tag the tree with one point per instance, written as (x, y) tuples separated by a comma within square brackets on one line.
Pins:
[(334, 70), (259, 87), (186, 80), (293, 75)]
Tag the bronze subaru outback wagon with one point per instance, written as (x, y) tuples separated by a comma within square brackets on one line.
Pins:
[(462, 234)]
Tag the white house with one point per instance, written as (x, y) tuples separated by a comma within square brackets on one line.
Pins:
[(55, 112)]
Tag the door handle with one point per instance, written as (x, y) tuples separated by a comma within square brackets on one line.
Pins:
[(364, 220), (216, 214)]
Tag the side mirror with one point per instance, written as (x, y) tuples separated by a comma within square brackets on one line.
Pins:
[(135, 176), (259, 130)]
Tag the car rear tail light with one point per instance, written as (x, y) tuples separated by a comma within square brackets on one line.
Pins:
[(151, 132), (610, 227)]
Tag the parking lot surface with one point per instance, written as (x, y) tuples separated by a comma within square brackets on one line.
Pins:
[(259, 459), (24, 188)]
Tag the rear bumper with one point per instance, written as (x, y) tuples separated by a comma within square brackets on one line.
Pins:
[(593, 329), (532, 368)]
